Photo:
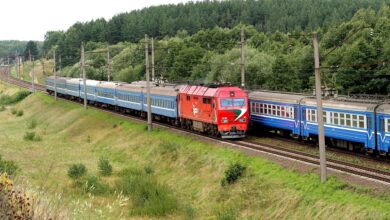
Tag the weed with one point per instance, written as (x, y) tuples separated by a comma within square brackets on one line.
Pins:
[(31, 136), (233, 173), (148, 170), (14, 111), (114, 125), (89, 139), (94, 185), (32, 124), (8, 166), (169, 148), (19, 113), (105, 167), (76, 171), (148, 195)]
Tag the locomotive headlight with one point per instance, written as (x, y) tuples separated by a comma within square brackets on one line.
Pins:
[(224, 120), (242, 119)]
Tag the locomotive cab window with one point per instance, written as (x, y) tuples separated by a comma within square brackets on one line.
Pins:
[(235, 102)]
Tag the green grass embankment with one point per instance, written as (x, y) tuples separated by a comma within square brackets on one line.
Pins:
[(162, 174)]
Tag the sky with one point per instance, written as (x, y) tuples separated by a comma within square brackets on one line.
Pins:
[(31, 19)]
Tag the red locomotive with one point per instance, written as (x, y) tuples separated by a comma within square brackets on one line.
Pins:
[(214, 110)]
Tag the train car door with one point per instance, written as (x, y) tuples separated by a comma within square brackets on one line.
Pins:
[(381, 131)]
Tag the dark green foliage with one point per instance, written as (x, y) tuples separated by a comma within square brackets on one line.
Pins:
[(17, 97), (149, 197), (19, 113), (31, 136), (76, 171), (8, 166), (199, 43), (233, 173), (31, 49), (148, 170), (105, 167), (95, 186)]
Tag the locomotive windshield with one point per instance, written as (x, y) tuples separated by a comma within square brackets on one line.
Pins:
[(237, 102)]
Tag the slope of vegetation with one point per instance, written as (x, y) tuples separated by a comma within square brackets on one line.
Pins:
[(161, 174)]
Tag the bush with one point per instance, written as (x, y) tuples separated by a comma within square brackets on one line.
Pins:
[(149, 197), (32, 124), (76, 171), (31, 136), (17, 97), (8, 166), (14, 111), (19, 113), (233, 173), (95, 186), (105, 167)]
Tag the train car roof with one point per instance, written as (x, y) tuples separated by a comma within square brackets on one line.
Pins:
[(342, 104), (107, 85), (90, 82), (384, 108), (129, 87), (289, 98), (74, 80)]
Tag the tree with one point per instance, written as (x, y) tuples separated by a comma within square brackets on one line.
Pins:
[(31, 49)]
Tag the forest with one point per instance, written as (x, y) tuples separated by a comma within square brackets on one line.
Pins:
[(199, 42)]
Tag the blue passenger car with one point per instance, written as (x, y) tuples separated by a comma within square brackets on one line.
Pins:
[(350, 124), (60, 84), (73, 87), (382, 113), (91, 89), (129, 96), (163, 101), (105, 93), (276, 110)]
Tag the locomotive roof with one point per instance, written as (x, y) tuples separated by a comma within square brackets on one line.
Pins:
[(210, 91), (155, 89), (277, 97)]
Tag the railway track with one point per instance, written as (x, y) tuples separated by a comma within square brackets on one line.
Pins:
[(341, 166)]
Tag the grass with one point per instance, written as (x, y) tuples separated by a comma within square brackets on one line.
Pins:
[(164, 175), (26, 71)]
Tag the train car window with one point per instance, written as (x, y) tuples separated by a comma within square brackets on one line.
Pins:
[(324, 117), (260, 108), (354, 121), (342, 119), (336, 118), (273, 110), (278, 110), (347, 120), (388, 124), (361, 121)]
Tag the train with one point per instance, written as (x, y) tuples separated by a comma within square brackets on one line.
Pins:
[(350, 123), (229, 111), (214, 109)]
